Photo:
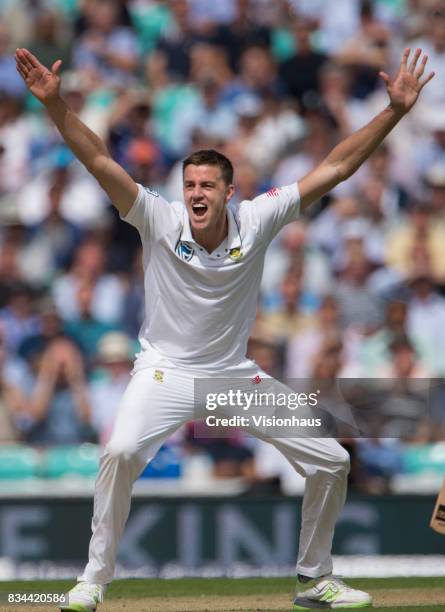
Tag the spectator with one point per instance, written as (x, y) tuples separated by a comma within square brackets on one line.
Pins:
[(287, 310), (88, 267), (370, 353), (394, 197), (51, 327), (15, 138), (404, 361), (11, 83), (134, 312), (243, 31), (335, 26), (81, 202), (420, 230), (51, 39), (426, 321), (85, 329), (306, 344), (404, 408), (258, 73), (115, 356), (433, 44), (107, 50), (207, 113), (18, 319), (360, 308), (51, 242), (314, 147), (60, 407), (266, 129), (367, 52), (14, 386), (175, 44), (301, 72), (130, 137)]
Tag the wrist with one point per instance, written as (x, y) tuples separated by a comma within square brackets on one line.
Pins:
[(397, 111), (53, 102)]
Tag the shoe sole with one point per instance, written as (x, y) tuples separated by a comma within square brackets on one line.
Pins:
[(309, 604)]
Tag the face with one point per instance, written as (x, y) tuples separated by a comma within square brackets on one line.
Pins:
[(206, 195)]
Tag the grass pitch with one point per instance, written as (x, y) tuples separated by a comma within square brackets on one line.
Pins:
[(247, 595)]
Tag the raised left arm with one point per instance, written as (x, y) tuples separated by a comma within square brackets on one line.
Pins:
[(350, 154)]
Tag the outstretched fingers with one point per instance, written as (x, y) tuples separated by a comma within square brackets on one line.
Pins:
[(23, 60), (56, 67), (419, 72), (21, 71), (426, 80), (31, 59), (385, 77), (414, 61), (405, 56)]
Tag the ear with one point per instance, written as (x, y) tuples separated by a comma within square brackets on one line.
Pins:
[(230, 192)]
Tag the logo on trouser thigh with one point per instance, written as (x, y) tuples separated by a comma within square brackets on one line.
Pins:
[(158, 376)]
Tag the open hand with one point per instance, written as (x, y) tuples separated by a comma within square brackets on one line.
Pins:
[(404, 90), (41, 82)]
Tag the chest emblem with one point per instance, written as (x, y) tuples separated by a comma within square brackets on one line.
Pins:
[(158, 376), (184, 251), (236, 254)]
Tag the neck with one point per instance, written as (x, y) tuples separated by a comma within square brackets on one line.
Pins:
[(211, 238)]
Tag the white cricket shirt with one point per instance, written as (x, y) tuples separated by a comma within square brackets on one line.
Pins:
[(200, 306)]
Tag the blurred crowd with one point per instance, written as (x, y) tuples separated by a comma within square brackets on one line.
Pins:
[(355, 289)]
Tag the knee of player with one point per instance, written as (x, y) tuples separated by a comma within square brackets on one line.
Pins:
[(120, 450), (342, 461)]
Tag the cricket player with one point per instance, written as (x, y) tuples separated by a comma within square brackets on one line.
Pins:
[(203, 261)]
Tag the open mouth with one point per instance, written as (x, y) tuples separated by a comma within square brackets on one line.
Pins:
[(199, 210)]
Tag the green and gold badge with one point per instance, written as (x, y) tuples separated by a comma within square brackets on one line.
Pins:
[(236, 254), (159, 376)]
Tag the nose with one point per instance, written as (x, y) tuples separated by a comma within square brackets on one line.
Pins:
[(197, 193)]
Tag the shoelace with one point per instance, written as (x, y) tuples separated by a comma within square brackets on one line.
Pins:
[(84, 587), (337, 581)]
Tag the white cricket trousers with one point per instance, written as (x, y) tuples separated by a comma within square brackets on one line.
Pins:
[(150, 411)]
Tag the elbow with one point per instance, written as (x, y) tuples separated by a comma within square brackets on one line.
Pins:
[(341, 172), (97, 165)]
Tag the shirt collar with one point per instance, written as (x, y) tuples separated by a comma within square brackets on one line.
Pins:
[(233, 237)]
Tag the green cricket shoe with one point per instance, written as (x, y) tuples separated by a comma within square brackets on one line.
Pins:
[(329, 592), (84, 597)]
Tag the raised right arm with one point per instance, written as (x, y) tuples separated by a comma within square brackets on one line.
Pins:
[(86, 146)]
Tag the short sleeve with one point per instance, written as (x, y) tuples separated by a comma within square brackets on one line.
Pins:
[(277, 208), (147, 213)]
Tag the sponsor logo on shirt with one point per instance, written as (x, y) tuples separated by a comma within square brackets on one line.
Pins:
[(158, 376), (236, 254), (273, 193), (256, 380), (184, 251), (152, 192)]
